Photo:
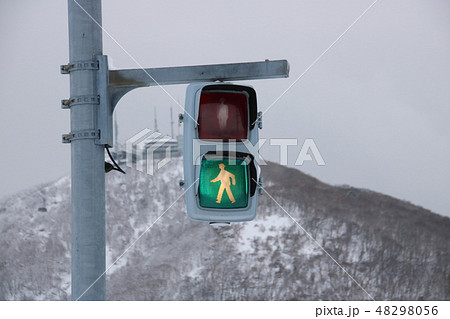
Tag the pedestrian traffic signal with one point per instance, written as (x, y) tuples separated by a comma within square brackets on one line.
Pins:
[(221, 172)]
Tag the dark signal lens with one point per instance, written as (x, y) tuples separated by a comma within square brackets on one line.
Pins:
[(223, 116)]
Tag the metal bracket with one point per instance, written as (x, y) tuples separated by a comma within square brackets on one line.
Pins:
[(104, 130), (259, 120), (260, 186), (80, 65), (77, 100), (105, 109), (80, 135)]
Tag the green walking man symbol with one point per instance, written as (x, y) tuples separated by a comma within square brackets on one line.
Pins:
[(224, 178)]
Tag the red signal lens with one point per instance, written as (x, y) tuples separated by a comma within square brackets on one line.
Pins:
[(223, 116)]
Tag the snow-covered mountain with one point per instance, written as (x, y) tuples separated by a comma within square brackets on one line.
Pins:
[(386, 248)]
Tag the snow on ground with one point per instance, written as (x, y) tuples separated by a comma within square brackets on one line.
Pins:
[(262, 228)]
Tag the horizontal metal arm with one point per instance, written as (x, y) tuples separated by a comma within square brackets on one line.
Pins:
[(199, 73)]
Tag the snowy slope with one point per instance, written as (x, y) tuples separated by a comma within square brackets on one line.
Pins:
[(394, 250)]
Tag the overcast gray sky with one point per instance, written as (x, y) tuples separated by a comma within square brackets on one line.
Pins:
[(376, 104)]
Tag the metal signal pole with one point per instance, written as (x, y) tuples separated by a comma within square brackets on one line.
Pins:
[(87, 157)]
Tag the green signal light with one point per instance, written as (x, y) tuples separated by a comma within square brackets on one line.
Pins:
[(223, 183)]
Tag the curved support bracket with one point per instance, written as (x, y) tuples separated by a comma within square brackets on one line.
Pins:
[(117, 92)]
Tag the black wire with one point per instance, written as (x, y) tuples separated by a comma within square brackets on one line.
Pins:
[(115, 164)]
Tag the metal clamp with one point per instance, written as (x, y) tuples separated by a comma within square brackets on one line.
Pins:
[(79, 135), (77, 100), (76, 66)]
